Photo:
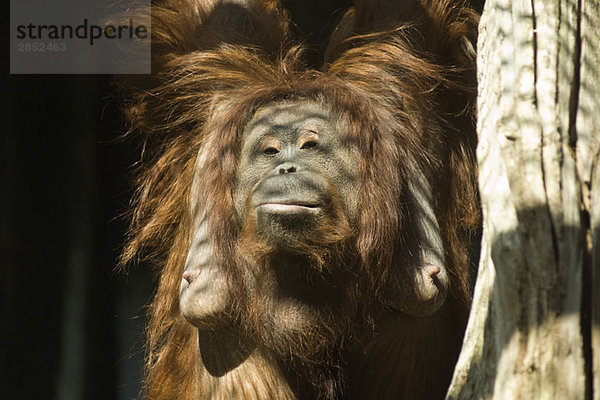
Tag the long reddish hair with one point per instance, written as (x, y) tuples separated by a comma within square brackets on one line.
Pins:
[(389, 90)]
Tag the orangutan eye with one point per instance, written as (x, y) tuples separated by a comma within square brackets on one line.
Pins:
[(308, 141), (270, 151), (309, 144), (270, 146)]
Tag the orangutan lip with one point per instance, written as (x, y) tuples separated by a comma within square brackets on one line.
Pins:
[(289, 207)]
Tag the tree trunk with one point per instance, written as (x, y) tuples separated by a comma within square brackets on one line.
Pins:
[(534, 330)]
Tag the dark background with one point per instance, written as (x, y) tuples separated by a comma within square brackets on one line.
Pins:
[(71, 326)]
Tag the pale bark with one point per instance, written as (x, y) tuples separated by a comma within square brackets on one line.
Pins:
[(539, 129)]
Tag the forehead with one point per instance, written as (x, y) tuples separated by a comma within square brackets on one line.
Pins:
[(289, 117)]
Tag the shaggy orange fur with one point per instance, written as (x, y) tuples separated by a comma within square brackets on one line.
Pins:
[(401, 82)]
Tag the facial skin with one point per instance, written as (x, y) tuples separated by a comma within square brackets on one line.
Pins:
[(293, 160)]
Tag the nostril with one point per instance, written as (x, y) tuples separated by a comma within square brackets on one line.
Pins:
[(291, 169), (286, 170)]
